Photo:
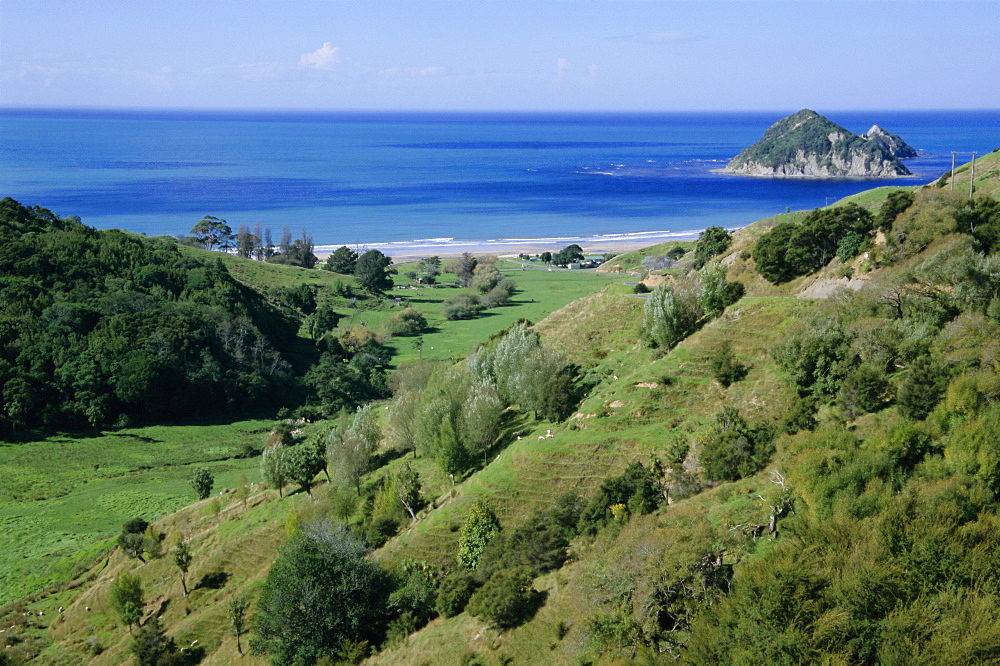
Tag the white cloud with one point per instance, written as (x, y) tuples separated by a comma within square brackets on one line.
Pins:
[(562, 65), (661, 37), (325, 57), (591, 70)]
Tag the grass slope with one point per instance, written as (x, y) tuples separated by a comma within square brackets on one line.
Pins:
[(67, 494)]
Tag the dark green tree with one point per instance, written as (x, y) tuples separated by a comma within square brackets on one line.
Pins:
[(454, 593), (712, 242), (895, 203), (568, 255), (373, 271), (202, 482), (152, 647), (506, 600), (342, 260), (726, 368), (319, 595), (921, 389)]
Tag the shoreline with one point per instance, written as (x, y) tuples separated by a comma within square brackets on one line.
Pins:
[(449, 248)]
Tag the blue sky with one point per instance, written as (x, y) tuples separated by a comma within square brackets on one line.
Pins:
[(501, 55)]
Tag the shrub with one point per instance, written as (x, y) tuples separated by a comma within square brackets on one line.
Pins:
[(711, 242), (717, 293), (637, 488), (321, 596), (864, 389), (850, 246), (461, 306), (735, 449), (135, 526), (506, 600), (725, 367), (454, 593)]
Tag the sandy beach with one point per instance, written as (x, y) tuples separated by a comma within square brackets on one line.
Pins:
[(447, 249)]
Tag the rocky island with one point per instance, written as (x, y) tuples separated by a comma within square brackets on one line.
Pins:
[(807, 145)]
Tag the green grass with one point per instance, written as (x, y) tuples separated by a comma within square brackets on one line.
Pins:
[(63, 494), (540, 293)]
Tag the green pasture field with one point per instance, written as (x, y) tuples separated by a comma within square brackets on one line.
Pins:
[(64, 494), (539, 293)]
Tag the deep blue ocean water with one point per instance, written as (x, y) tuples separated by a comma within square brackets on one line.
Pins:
[(376, 178)]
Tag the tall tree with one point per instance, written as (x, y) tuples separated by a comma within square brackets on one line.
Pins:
[(712, 241), (464, 268), (373, 271), (274, 467), (303, 464), (126, 598), (236, 612), (342, 261), (202, 482), (406, 486), (182, 558), (668, 316), (212, 231)]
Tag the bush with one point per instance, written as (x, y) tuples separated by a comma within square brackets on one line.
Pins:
[(507, 599), (454, 593), (725, 368), (637, 488), (711, 242), (735, 449), (461, 306), (135, 526), (321, 596), (864, 389), (921, 389), (669, 316)]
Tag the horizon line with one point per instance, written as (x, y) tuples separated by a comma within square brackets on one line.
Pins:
[(431, 111)]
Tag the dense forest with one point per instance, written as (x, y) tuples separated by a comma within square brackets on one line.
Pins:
[(105, 327)]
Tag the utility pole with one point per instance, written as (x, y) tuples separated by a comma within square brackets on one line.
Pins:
[(972, 180)]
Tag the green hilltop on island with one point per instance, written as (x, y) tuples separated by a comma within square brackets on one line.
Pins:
[(769, 446), (807, 145)]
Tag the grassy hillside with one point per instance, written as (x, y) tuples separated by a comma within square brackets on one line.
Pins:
[(833, 502)]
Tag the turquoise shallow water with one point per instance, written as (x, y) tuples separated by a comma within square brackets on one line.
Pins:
[(404, 178)]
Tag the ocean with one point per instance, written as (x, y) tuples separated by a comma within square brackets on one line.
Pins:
[(434, 180)]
